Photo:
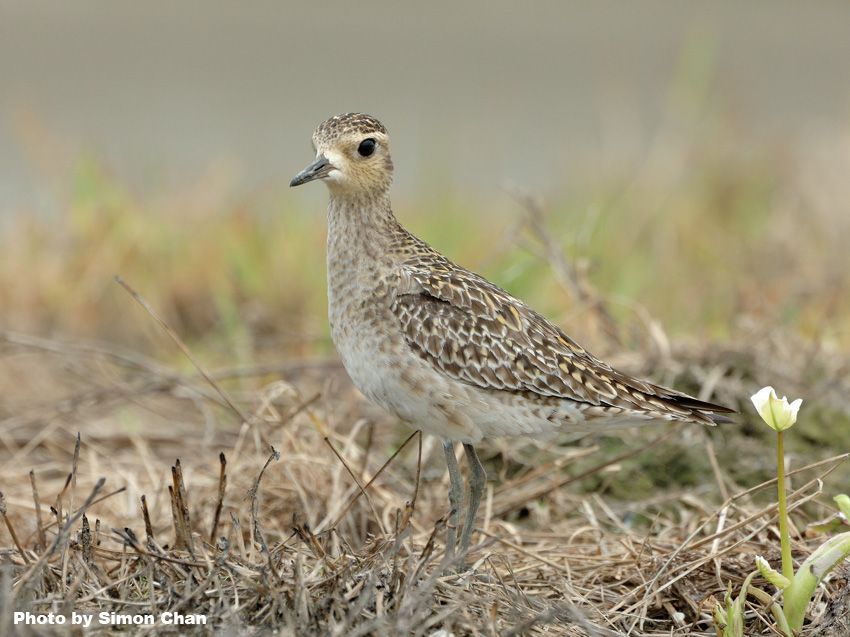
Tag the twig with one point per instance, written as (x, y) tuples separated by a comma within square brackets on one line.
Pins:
[(255, 505), (182, 523), (146, 516), (222, 484), (359, 485), (568, 276), (42, 540), (179, 342), (12, 529), (411, 506), (62, 536), (85, 540), (374, 477)]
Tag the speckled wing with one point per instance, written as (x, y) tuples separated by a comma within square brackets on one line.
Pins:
[(475, 332)]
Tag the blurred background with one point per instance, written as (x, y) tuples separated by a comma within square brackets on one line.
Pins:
[(683, 164), (623, 118), (473, 93)]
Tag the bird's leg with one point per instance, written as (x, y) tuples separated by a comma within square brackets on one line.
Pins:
[(456, 490), (476, 489)]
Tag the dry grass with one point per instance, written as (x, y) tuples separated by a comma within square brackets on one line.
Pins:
[(300, 520)]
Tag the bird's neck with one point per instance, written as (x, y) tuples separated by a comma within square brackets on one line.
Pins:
[(361, 240), (364, 225)]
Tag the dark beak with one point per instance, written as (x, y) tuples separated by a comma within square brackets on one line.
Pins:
[(317, 170)]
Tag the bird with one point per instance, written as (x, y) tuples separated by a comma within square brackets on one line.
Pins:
[(445, 350)]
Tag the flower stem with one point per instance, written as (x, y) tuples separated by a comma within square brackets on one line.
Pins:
[(784, 537)]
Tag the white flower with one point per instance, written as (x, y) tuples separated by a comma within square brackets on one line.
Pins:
[(776, 412)]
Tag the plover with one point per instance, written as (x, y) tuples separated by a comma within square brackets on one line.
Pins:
[(444, 349)]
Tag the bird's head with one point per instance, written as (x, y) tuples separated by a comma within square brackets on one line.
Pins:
[(352, 156)]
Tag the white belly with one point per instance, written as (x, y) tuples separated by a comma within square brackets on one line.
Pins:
[(389, 373)]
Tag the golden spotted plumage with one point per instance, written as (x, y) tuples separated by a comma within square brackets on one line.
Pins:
[(475, 332)]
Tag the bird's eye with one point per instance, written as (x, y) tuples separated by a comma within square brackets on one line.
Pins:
[(367, 147)]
